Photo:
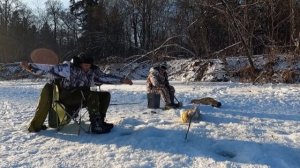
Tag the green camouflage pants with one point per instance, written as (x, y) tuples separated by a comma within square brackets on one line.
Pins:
[(96, 103)]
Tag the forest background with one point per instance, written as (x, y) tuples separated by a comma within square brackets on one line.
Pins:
[(151, 30)]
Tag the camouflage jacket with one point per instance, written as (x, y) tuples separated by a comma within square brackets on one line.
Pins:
[(156, 79), (72, 76)]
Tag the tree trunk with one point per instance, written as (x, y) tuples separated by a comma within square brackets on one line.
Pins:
[(246, 46)]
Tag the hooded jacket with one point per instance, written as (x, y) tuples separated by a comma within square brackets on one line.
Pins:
[(73, 76), (156, 79)]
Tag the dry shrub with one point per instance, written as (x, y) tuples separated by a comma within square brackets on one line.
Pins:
[(291, 59), (114, 59), (266, 74), (272, 52), (196, 63), (288, 76), (200, 71), (247, 74)]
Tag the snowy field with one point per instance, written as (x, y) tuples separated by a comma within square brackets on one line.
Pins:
[(257, 126)]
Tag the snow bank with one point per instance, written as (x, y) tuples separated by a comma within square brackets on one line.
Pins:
[(281, 69)]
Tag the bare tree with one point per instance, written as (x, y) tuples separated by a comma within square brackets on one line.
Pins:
[(239, 31), (54, 8)]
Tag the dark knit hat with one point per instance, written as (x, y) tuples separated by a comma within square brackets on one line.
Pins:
[(85, 59)]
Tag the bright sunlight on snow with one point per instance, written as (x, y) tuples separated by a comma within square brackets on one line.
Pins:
[(257, 126)]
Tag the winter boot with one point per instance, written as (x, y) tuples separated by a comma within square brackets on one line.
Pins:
[(98, 126), (173, 104), (31, 129), (170, 106), (176, 105), (109, 125)]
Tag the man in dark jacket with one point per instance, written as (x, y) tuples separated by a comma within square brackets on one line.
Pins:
[(157, 82), (75, 81)]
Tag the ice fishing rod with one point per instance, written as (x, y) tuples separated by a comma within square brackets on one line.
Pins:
[(117, 104), (190, 122), (180, 103)]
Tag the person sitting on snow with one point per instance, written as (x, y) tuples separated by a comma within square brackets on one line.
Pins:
[(157, 82), (75, 78)]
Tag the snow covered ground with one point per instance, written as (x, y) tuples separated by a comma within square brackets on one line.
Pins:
[(257, 126)]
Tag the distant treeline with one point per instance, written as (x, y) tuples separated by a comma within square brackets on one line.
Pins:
[(150, 28)]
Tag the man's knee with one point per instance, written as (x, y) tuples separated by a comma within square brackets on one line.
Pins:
[(47, 89)]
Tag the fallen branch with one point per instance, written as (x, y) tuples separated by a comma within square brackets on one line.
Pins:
[(162, 46)]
